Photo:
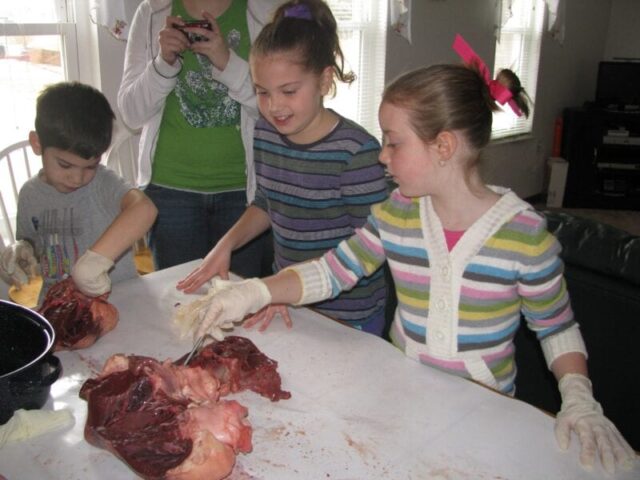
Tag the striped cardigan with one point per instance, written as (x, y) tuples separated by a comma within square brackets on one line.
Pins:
[(459, 311), (316, 195)]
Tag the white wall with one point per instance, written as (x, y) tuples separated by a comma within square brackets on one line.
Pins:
[(110, 51), (595, 30), (623, 40), (567, 78), (111, 54), (567, 73)]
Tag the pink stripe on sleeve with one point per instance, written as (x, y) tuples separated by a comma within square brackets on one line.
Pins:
[(370, 241), (343, 275)]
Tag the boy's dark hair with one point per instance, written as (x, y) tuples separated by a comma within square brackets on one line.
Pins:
[(74, 117)]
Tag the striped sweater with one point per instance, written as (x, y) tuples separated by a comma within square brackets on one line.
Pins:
[(316, 195), (459, 311)]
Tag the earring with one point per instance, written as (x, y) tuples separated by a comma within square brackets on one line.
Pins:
[(442, 163)]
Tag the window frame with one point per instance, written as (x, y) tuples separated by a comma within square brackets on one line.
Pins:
[(370, 25), (68, 36), (66, 30), (523, 59)]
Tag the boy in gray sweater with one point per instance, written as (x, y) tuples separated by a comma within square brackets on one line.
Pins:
[(80, 217)]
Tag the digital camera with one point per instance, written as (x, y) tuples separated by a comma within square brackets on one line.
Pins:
[(191, 36)]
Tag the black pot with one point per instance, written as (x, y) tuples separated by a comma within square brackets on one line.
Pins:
[(28, 367)]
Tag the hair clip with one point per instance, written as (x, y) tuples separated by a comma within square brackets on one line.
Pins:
[(499, 92), (300, 10)]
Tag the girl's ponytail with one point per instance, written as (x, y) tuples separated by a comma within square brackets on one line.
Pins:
[(308, 28)]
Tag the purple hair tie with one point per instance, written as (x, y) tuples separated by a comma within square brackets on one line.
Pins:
[(301, 10)]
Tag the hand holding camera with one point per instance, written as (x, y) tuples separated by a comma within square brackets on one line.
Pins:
[(194, 36), (172, 41), (215, 48), (200, 36)]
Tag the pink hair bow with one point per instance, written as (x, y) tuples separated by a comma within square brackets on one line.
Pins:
[(499, 92)]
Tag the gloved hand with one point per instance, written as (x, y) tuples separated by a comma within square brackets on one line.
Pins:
[(582, 414), (18, 264), (91, 274), (231, 302)]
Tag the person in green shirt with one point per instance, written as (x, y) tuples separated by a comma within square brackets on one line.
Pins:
[(190, 91)]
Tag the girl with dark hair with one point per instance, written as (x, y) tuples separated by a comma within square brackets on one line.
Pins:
[(317, 172)]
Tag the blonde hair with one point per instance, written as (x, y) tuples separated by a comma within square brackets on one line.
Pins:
[(451, 97)]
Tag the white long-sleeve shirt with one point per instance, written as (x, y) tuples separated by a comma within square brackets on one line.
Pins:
[(147, 80)]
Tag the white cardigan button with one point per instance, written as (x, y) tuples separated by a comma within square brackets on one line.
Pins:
[(445, 271)]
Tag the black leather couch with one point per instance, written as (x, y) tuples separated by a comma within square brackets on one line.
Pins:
[(602, 269)]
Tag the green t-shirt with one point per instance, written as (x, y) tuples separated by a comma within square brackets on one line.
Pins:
[(199, 143)]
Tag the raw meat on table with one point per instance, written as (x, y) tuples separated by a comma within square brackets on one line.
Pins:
[(238, 364), (77, 319), (166, 420)]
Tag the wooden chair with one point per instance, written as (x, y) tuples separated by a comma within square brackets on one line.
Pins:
[(122, 155), (4, 288), (17, 164)]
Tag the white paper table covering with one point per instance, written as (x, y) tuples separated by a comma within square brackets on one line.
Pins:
[(359, 408)]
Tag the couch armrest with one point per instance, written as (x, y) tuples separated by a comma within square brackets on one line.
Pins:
[(595, 246)]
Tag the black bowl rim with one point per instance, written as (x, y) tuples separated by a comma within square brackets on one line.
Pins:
[(40, 319)]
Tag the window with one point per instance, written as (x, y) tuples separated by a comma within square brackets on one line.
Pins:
[(518, 48), (37, 47), (362, 26)]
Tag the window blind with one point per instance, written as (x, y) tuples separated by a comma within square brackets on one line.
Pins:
[(362, 27), (518, 48)]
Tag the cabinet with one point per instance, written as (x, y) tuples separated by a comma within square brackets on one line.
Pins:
[(603, 150)]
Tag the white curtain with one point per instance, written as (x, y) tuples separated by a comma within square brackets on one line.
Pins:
[(556, 18), (400, 18), (502, 15), (114, 15), (557, 11)]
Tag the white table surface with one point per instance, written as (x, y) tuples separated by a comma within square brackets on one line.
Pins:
[(359, 408)]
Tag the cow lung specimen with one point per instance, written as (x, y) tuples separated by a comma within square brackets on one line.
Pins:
[(77, 319), (238, 365), (166, 421)]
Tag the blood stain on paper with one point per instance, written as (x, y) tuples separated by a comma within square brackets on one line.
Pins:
[(362, 449), (273, 464), (240, 473), (449, 473), (276, 432), (91, 363)]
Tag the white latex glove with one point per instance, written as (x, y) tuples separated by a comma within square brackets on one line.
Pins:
[(26, 424), (91, 274), (597, 434), (231, 303), (18, 264)]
